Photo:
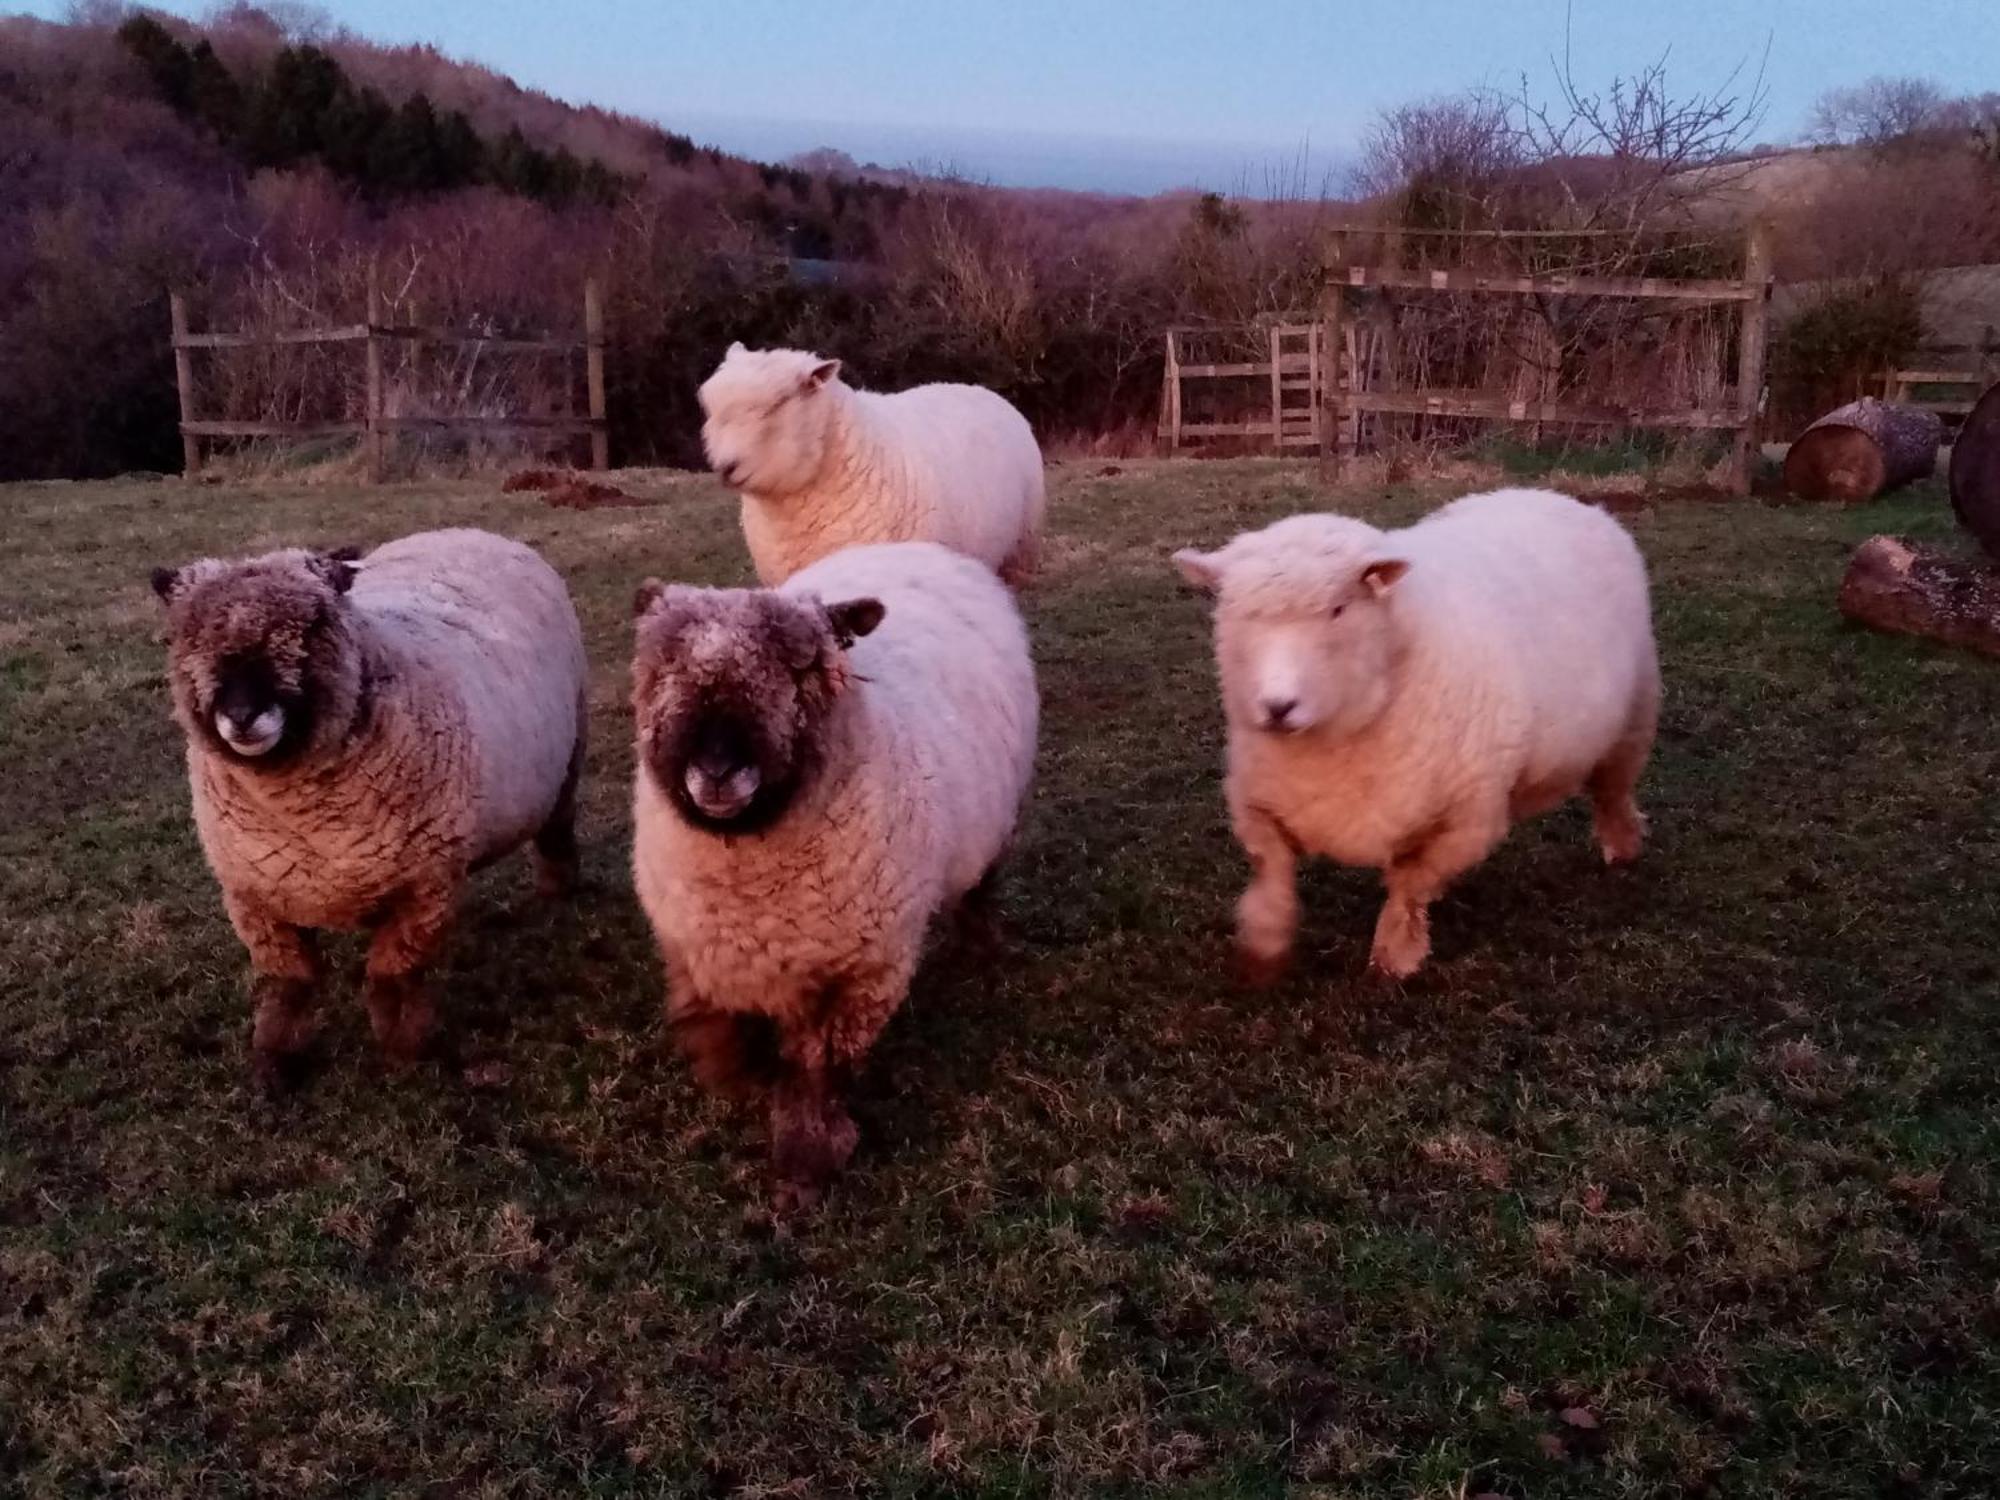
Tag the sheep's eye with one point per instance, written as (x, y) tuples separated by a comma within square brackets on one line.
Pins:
[(1336, 612)]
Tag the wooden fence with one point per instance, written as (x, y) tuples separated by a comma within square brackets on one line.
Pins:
[(1900, 386), (1293, 369), (1320, 360), (376, 426), (1751, 292)]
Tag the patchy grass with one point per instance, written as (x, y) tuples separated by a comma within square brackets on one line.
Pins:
[(1674, 1181)]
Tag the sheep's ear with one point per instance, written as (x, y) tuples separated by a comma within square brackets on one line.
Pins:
[(1202, 570), (165, 582), (735, 348), (337, 567), (821, 373), (854, 618), (649, 593), (1381, 576)]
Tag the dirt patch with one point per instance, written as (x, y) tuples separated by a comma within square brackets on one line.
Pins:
[(569, 490)]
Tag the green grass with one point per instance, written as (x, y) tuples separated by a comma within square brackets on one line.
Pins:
[(1703, 1152)]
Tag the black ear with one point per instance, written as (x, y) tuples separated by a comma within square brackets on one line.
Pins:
[(337, 567), (647, 596), (854, 618), (164, 581)]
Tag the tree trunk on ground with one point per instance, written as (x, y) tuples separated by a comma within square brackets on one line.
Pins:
[(1891, 586), (1975, 473), (1862, 450)]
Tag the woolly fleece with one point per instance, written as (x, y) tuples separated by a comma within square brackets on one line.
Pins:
[(825, 465), (463, 668), (1509, 667)]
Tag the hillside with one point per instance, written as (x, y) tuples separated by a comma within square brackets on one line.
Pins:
[(262, 171)]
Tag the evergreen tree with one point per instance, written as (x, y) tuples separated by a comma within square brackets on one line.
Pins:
[(165, 60), (214, 96)]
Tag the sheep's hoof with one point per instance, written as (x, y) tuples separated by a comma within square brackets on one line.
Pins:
[(1397, 960), (1259, 971), (795, 1199), (555, 879), (277, 1074)]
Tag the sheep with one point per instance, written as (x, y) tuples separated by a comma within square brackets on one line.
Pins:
[(360, 735), (822, 768), (822, 465), (1399, 699)]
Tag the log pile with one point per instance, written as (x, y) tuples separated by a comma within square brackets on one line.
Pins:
[(1862, 450)]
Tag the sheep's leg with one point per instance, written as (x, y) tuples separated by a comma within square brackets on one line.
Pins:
[(284, 980), (1620, 826), (399, 1006), (555, 846), (977, 918), (812, 1134), (1020, 565), (1418, 877), (1267, 914), (733, 1053)]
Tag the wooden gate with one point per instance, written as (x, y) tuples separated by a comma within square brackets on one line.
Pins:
[(1293, 368)]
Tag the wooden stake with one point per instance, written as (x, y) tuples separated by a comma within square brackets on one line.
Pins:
[(1277, 393), (184, 383), (373, 437), (593, 365), (1750, 355)]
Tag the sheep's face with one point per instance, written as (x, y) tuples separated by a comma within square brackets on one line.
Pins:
[(733, 690), (766, 416), (258, 653), (1304, 631)]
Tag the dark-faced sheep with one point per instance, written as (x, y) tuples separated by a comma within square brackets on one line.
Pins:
[(821, 768), (360, 735)]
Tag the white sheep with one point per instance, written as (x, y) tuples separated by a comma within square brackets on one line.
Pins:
[(359, 737), (810, 790), (822, 465), (1399, 699)]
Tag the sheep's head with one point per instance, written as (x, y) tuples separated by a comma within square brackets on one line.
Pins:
[(766, 416), (259, 656), (733, 690), (1304, 629)]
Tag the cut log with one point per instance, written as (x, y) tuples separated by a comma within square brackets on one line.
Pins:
[(1891, 586), (1862, 450), (1975, 473)]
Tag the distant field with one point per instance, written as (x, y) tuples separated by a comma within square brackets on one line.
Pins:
[(1682, 1180)]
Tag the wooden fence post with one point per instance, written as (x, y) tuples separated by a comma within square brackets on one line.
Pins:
[(372, 422), (184, 383), (1750, 355), (1173, 391), (1332, 307), (593, 367), (1277, 394)]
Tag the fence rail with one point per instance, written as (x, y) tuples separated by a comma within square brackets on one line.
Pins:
[(376, 424), (1318, 361), (1898, 386)]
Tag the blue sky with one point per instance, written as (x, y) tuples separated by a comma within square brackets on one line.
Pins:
[(1142, 96)]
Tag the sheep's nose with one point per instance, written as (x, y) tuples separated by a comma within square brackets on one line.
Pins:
[(1278, 710), (728, 473)]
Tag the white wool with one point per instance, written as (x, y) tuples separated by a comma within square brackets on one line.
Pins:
[(928, 759), (1428, 706), (823, 465)]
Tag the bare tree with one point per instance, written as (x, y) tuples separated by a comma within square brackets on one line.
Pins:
[(1879, 113), (1457, 149)]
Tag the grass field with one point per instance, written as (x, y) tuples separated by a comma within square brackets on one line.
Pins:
[(1679, 1180)]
